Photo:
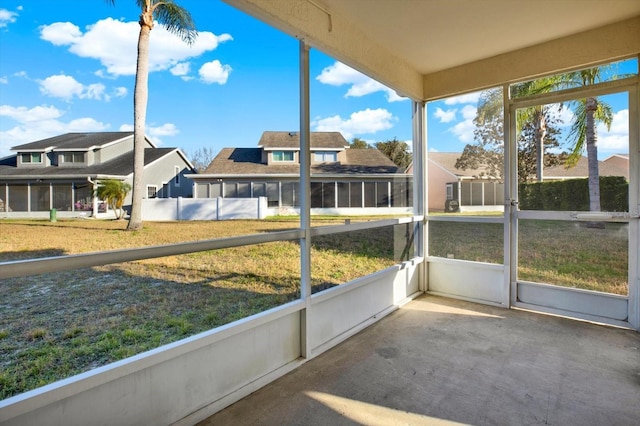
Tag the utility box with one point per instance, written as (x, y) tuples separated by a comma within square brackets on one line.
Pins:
[(451, 206)]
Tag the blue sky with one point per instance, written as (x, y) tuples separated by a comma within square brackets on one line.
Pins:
[(66, 68)]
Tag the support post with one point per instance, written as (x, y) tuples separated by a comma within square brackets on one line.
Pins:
[(305, 202)]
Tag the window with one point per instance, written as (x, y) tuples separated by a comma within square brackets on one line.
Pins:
[(343, 194), (259, 189), (325, 157), (31, 157), (282, 155), (176, 170), (449, 191), (73, 157), (152, 191)]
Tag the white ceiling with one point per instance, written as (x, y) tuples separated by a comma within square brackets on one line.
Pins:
[(433, 35)]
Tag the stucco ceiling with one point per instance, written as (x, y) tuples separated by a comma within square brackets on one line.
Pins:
[(434, 35)]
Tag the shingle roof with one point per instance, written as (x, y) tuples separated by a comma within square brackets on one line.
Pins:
[(448, 161), (247, 161), (119, 166), (271, 140), (74, 141), (581, 169)]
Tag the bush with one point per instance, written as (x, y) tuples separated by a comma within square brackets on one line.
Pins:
[(573, 195)]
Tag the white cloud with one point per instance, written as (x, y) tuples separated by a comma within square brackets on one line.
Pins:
[(445, 116), (182, 70), (40, 122), (4, 80), (469, 112), (25, 115), (7, 17), (66, 87), (120, 92), (469, 98), (360, 122), (167, 129), (340, 74), (61, 33), (214, 72), (154, 132), (464, 129), (61, 86), (114, 44), (617, 138)]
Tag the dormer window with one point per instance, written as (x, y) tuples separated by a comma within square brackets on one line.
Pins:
[(325, 157), (31, 157), (73, 157), (283, 156)]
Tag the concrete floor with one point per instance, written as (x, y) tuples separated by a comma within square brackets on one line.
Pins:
[(443, 361)]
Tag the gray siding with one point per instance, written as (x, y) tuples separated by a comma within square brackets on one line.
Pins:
[(112, 151)]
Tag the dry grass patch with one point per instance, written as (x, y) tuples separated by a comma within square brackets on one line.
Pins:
[(56, 325)]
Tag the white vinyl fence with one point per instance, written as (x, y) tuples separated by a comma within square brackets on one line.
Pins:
[(161, 209)]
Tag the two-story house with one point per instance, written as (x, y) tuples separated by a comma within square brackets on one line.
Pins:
[(62, 172), (343, 180)]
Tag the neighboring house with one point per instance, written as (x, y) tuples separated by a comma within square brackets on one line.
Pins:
[(62, 172), (451, 188), (343, 180)]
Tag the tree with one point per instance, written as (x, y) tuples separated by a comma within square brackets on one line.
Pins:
[(201, 158), (587, 112), (114, 192), (534, 119), (534, 135), (176, 20), (488, 150), (397, 151), (536, 130), (357, 143)]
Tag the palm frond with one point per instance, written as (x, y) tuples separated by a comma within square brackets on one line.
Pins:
[(177, 20)]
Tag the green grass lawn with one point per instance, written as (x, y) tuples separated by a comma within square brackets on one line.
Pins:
[(554, 252), (56, 325)]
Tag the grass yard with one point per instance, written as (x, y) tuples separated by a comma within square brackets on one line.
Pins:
[(562, 253), (57, 325)]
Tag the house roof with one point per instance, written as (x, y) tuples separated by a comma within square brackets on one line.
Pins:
[(119, 166), (289, 140), (447, 160), (248, 161), (69, 141), (581, 170)]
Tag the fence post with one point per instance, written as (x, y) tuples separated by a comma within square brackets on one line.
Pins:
[(179, 208)]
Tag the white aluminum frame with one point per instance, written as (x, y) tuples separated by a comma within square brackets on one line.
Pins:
[(582, 304)]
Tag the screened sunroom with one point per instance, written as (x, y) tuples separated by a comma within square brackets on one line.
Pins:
[(564, 254)]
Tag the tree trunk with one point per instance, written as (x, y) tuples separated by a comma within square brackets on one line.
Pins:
[(140, 97), (592, 158), (540, 136)]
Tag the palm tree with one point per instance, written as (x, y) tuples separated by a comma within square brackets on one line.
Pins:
[(587, 112), (114, 192), (176, 20), (537, 116)]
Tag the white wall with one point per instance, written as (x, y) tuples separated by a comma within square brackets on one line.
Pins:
[(160, 209)]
